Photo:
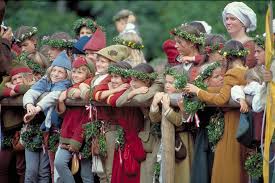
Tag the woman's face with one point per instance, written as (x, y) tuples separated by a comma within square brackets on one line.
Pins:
[(216, 79), (58, 74), (183, 46), (53, 53), (85, 31), (116, 80), (169, 84), (102, 64), (259, 55), (233, 24), (136, 83)]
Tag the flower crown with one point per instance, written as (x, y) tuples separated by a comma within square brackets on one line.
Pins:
[(84, 22), (58, 43), (131, 44), (180, 79), (212, 48), (23, 58), (33, 30), (188, 36), (142, 76), (119, 71), (260, 41), (237, 53)]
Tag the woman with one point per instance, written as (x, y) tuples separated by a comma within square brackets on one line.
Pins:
[(239, 19)]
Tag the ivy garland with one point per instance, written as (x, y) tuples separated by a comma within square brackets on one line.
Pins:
[(180, 79), (237, 53), (23, 58), (53, 142), (260, 41), (33, 30), (212, 48), (156, 171), (188, 36), (32, 138), (215, 129), (7, 141), (254, 165), (155, 130), (120, 141), (84, 22), (119, 71), (131, 44), (191, 105), (58, 43), (142, 76)]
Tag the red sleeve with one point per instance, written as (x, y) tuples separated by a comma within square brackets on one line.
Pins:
[(98, 89), (111, 100), (5, 92), (198, 59)]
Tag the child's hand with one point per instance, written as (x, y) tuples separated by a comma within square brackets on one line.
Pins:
[(62, 96), (10, 85), (166, 102), (131, 19), (83, 86), (244, 107), (28, 117), (180, 104), (142, 90), (190, 88), (37, 109), (122, 87), (157, 98), (13, 93), (267, 75), (185, 59), (31, 109)]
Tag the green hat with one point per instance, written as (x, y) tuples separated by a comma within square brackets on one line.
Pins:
[(115, 53), (59, 40), (24, 32)]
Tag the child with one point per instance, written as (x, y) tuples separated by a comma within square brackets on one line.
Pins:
[(213, 45), (84, 27), (71, 138), (125, 22), (228, 149), (144, 85), (56, 81), (134, 43), (96, 43)]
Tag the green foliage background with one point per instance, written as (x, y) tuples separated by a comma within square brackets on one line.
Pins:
[(155, 18)]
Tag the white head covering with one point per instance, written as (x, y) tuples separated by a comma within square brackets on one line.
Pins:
[(245, 14), (206, 26)]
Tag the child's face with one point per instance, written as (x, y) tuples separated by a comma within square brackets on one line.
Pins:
[(183, 46), (102, 64), (79, 74), (28, 46), (53, 53), (120, 25), (116, 80), (58, 74), (17, 79), (91, 55), (136, 83), (85, 31), (216, 79), (169, 84), (215, 56), (259, 55)]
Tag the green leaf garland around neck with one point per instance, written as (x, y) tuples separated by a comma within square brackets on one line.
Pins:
[(119, 71), (58, 43), (142, 76), (188, 36), (180, 79), (260, 41), (33, 30), (236, 53), (32, 138), (84, 22), (131, 44), (23, 58), (254, 165), (191, 106)]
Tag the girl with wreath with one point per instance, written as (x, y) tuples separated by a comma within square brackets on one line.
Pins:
[(213, 45), (188, 43), (84, 27), (71, 136), (144, 84), (228, 150), (175, 80), (21, 78), (239, 19), (135, 46)]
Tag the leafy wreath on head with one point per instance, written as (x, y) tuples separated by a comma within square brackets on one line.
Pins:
[(23, 58), (260, 41), (212, 48), (119, 71), (142, 76), (131, 44), (58, 43), (22, 37), (84, 22), (32, 138), (191, 37), (180, 79), (234, 52)]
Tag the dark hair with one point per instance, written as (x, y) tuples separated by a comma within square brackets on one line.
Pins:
[(143, 67), (214, 39), (233, 45), (198, 26), (122, 65), (2, 10)]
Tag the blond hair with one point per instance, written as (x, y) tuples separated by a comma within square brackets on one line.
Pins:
[(49, 70), (253, 75)]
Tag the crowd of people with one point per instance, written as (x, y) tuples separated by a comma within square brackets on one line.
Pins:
[(116, 137)]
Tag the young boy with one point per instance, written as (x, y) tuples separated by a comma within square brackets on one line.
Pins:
[(125, 22)]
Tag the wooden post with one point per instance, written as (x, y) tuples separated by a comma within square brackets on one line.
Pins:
[(168, 150)]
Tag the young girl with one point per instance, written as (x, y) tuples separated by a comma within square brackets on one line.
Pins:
[(144, 85), (84, 27), (56, 81), (71, 138), (134, 43), (228, 149), (213, 45)]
